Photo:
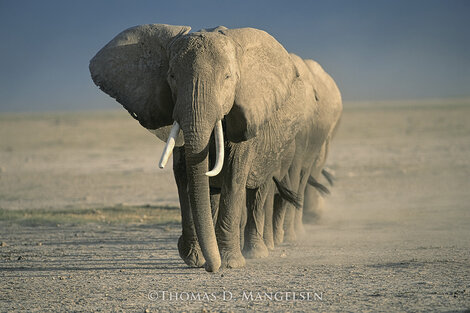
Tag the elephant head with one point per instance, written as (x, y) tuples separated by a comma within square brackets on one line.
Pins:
[(164, 75)]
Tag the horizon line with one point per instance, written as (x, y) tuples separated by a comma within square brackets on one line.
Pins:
[(421, 102)]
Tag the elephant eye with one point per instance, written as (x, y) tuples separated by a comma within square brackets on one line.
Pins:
[(227, 76)]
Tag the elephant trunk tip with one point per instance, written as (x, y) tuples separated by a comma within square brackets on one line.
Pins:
[(214, 266)]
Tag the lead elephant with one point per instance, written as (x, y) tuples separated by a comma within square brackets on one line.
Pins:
[(237, 82)]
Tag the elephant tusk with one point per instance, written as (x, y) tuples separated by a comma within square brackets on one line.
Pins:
[(170, 144), (219, 148)]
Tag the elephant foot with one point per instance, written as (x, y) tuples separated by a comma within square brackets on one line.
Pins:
[(191, 253), (290, 236), (232, 258), (278, 237), (269, 242), (255, 250)]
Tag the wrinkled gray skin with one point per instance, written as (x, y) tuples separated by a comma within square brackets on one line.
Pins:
[(244, 77)]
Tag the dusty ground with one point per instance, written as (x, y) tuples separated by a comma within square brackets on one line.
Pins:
[(81, 221)]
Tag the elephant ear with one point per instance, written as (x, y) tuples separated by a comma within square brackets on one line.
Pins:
[(266, 76), (132, 68)]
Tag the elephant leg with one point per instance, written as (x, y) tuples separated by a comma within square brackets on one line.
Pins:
[(268, 218), (313, 205), (243, 219), (298, 225), (188, 245), (232, 202), (313, 201), (254, 244), (289, 220), (289, 226), (278, 219), (278, 203), (279, 213)]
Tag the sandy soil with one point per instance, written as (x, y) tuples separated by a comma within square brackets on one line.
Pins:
[(394, 234)]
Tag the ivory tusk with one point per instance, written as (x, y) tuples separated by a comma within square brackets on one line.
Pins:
[(219, 148), (170, 144)]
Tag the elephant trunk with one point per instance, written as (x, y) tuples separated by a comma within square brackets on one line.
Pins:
[(197, 161)]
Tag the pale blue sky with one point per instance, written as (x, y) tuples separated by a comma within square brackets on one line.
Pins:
[(374, 49)]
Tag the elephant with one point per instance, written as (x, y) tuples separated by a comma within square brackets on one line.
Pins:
[(239, 100), (312, 146)]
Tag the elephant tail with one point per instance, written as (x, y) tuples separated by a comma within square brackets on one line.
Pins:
[(287, 194), (329, 177), (321, 188)]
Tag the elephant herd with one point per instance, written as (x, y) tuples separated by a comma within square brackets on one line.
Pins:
[(249, 126)]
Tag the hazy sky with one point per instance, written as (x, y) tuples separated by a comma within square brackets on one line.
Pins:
[(375, 50)]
